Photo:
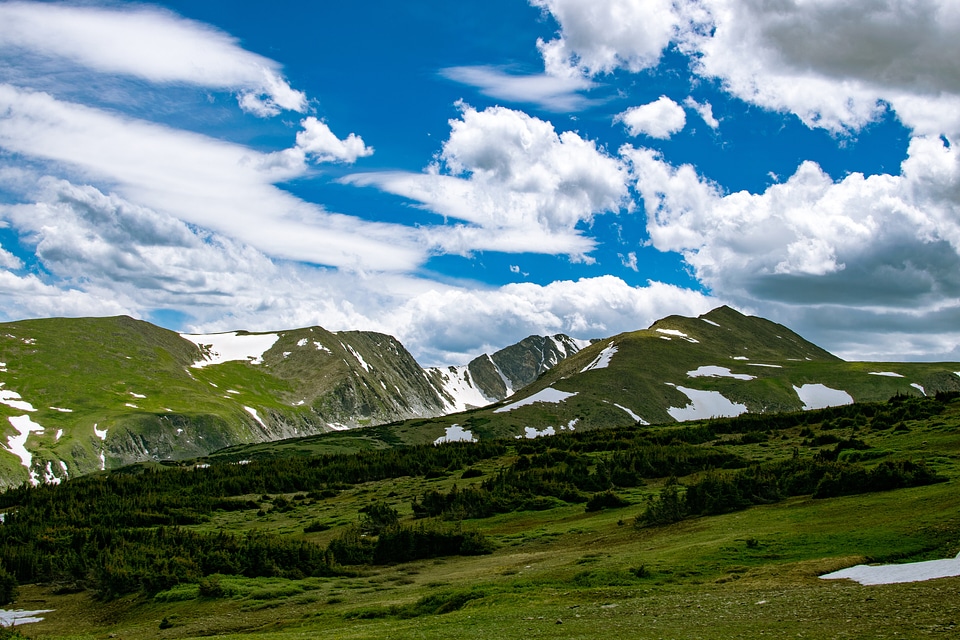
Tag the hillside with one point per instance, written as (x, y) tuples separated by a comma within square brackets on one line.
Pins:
[(720, 364), (80, 395), (587, 534)]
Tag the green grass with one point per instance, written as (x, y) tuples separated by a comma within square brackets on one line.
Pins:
[(566, 573)]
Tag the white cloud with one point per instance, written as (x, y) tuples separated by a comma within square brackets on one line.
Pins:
[(517, 183), (151, 44), (598, 37), (704, 110), (8, 260), (866, 55), (659, 119), (317, 141), (552, 92), (629, 260), (217, 185), (872, 246), (453, 325)]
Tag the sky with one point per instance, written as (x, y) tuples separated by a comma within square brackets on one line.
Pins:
[(463, 174)]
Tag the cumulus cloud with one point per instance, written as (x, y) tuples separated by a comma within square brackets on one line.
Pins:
[(517, 183), (221, 186), (150, 44), (878, 245), (448, 326), (659, 119), (866, 56), (600, 36)]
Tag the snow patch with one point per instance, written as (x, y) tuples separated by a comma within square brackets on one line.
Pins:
[(704, 404), (710, 322), (61, 409), (256, 416), (18, 443), (336, 426), (456, 383), (530, 433), (137, 395), (819, 396), (456, 433), (233, 391), (602, 361), (359, 358), (889, 374), (918, 387), (302, 342), (571, 425), (132, 406), (320, 347), (712, 371), (546, 395), (218, 348), (14, 400), (635, 417), (100, 434), (898, 573), (740, 358), (9, 618), (771, 366), (58, 436)]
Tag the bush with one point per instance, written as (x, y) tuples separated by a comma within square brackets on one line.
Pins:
[(606, 500), (9, 588)]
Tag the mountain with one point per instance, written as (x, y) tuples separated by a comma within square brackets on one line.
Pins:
[(490, 378), (80, 395), (722, 363)]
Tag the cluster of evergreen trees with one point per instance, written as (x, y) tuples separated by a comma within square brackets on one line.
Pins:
[(716, 492)]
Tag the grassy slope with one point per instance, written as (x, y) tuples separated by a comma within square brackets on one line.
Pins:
[(733, 575)]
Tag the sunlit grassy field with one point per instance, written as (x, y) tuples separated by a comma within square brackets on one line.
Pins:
[(567, 573)]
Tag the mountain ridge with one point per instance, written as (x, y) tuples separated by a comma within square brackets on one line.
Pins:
[(81, 395)]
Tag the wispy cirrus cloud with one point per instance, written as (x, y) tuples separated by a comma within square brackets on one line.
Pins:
[(148, 43), (551, 92)]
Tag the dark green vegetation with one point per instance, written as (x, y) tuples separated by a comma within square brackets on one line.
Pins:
[(610, 531)]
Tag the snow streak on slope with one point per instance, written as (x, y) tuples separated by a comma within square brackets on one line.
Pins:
[(602, 361), (227, 347), (546, 395)]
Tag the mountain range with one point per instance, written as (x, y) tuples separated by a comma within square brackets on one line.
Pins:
[(81, 395)]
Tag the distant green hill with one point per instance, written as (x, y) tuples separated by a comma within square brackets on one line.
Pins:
[(80, 395), (720, 364)]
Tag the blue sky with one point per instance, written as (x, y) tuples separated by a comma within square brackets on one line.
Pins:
[(461, 175)]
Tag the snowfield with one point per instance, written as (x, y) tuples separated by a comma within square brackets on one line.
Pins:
[(705, 404), (819, 396), (17, 444), (228, 347), (546, 395), (898, 573), (712, 371), (456, 433), (458, 384), (889, 374)]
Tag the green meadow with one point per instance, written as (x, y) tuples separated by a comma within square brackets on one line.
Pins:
[(557, 570)]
